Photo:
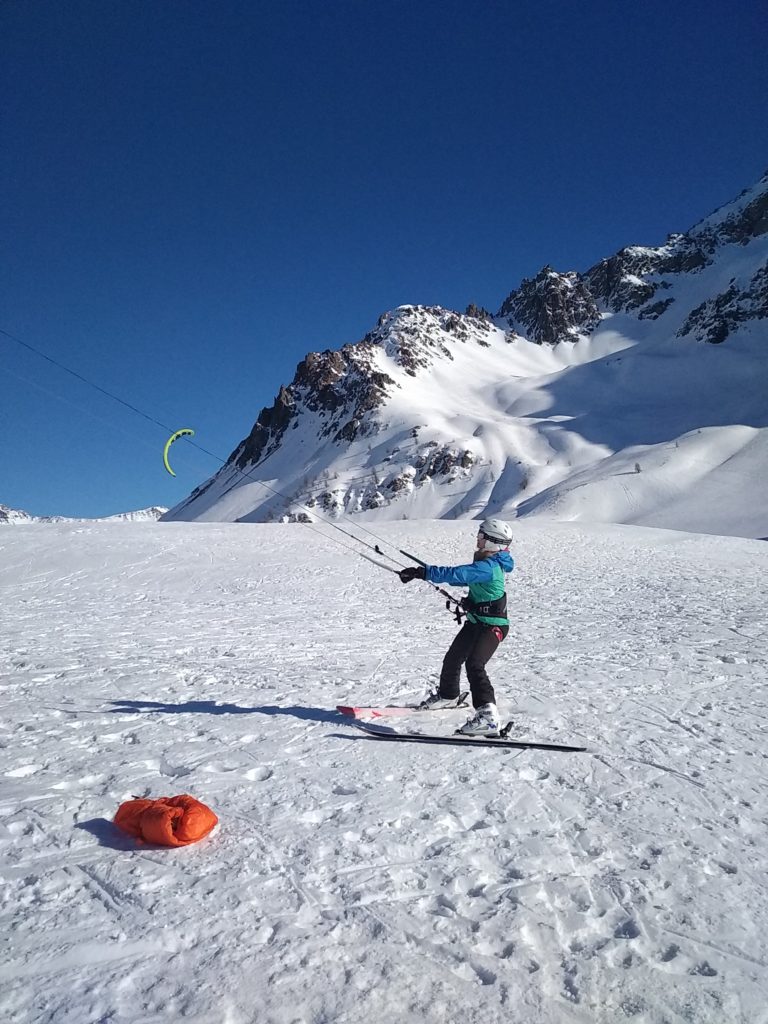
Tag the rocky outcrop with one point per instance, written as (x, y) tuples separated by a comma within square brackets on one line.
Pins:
[(737, 222), (632, 277), (618, 282), (478, 312), (555, 307), (342, 386), (267, 431), (414, 336), (716, 318), (434, 461), (443, 463), (654, 309), (552, 308)]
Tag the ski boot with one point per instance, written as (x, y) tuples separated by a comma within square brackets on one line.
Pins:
[(484, 722), (434, 702)]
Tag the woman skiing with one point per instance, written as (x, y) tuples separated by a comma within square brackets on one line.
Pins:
[(486, 626)]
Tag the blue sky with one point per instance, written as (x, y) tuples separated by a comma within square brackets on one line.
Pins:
[(193, 195)]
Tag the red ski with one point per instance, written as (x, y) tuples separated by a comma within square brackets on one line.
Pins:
[(394, 709)]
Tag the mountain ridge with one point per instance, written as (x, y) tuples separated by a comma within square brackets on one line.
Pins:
[(17, 517), (436, 413)]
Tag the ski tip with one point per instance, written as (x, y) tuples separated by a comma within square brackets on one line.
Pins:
[(355, 712)]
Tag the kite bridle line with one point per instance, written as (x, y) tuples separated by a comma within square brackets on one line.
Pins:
[(247, 475)]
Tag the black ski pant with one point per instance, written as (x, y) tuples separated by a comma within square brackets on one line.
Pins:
[(474, 646)]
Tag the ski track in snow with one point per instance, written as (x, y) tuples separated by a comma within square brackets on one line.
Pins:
[(350, 880)]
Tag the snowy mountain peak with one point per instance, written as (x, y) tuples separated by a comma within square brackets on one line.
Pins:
[(149, 515), (551, 308), (343, 387), (16, 517), (587, 396), (340, 387), (413, 336), (738, 221), (638, 274)]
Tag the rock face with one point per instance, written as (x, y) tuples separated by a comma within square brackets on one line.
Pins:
[(554, 307), (551, 308), (736, 223), (343, 386), (436, 413), (718, 317)]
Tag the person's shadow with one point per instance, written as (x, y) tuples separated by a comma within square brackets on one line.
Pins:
[(210, 707)]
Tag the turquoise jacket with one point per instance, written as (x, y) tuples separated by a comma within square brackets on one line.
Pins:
[(485, 580)]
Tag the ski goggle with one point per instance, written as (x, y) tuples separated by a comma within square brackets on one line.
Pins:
[(493, 540)]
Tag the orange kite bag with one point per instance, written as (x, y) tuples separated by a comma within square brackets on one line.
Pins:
[(167, 821)]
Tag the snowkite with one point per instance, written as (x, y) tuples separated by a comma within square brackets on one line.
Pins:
[(167, 821), (169, 442)]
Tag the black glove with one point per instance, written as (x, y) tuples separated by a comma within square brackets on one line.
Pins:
[(413, 572)]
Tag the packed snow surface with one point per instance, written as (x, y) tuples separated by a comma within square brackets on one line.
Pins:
[(351, 880)]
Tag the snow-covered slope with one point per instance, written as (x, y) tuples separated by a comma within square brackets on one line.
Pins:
[(16, 517), (634, 393), (350, 881), (140, 516)]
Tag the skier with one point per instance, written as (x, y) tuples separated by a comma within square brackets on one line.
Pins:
[(486, 626)]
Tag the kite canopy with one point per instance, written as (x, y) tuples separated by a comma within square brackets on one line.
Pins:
[(167, 821), (174, 437)]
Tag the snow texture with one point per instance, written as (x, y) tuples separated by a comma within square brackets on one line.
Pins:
[(350, 880)]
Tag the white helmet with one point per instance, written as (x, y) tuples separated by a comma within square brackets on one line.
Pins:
[(497, 533)]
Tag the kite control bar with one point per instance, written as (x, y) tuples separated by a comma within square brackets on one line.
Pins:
[(458, 611)]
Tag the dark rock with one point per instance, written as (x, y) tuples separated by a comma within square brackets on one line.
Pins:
[(716, 318), (741, 226), (343, 386), (654, 311), (621, 281), (552, 307), (477, 312), (267, 431)]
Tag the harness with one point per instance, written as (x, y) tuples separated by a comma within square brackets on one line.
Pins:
[(487, 609)]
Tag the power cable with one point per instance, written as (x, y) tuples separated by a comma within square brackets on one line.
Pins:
[(136, 438), (217, 458)]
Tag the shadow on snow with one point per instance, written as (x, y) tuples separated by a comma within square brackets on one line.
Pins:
[(210, 707), (107, 833)]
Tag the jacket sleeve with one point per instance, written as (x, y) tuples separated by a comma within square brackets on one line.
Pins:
[(460, 575)]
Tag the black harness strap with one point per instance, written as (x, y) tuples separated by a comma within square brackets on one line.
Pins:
[(490, 609)]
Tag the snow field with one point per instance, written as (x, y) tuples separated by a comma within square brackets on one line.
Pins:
[(350, 880)]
